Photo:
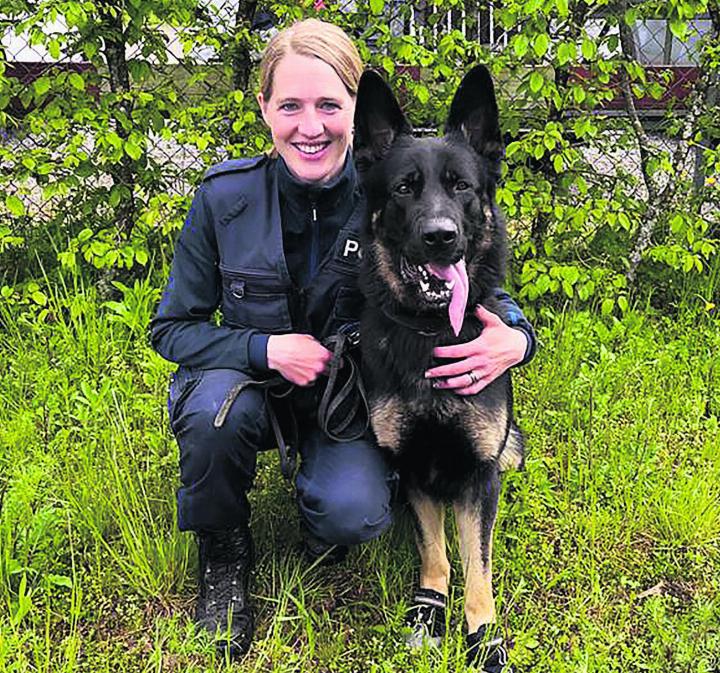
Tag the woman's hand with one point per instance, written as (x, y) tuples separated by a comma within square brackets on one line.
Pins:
[(300, 358), (498, 348)]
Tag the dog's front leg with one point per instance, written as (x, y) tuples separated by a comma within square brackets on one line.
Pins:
[(426, 617), (475, 516), (430, 538)]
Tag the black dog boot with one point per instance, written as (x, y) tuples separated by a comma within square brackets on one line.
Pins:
[(223, 608), (426, 619), (487, 655)]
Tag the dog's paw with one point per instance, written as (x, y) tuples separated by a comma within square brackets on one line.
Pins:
[(425, 620), (488, 655)]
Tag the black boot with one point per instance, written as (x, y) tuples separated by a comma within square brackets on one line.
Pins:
[(223, 608), (487, 654), (426, 619)]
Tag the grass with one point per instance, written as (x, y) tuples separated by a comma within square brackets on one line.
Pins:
[(607, 546)]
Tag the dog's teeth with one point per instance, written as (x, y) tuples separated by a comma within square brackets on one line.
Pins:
[(425, 287)]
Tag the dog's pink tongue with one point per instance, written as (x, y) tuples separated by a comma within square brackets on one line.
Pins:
[(457, 274)]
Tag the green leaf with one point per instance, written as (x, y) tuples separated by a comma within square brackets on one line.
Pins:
[(59, 580), (24, 602), (622, 303), (54, 48), (141, 256), (116, 194), (541, 44), (520, 45), (588, 48), (85, 235), (565, 52), (377, 6), (422, 93), (543, 283), (41, 85), (39, 298), (388, 65), (90, 49), (607, 306), (570, 274), (678, 28), (15, 205), (76, 81), (132, 150), (536, 82)]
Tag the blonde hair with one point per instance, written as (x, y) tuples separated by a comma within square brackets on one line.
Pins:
[(320, 39)]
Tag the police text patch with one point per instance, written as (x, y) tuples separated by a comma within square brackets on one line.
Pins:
[(348, 249)]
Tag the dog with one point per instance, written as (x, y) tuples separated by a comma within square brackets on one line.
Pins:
[(434, 246)]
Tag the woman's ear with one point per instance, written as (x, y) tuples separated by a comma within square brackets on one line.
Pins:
[(263, 106)]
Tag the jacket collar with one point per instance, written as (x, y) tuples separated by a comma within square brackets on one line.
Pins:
[(298, 196)]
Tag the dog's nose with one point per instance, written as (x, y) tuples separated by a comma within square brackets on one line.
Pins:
[(439, 232)]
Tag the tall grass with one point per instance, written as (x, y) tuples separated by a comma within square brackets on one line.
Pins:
[(607, 545)]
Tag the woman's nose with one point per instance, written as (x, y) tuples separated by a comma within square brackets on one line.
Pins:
[(310, 125)]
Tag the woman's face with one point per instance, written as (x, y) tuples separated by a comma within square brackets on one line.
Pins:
[(310, 115)]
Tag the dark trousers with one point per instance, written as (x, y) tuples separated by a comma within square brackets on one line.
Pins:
[(344, 488)]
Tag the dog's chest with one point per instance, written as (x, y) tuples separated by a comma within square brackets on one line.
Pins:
[(437, 456)]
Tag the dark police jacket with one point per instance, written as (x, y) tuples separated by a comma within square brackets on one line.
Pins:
[(229, 256)]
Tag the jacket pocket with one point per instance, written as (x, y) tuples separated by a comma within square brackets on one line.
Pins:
[(255, 299), (348, 305)]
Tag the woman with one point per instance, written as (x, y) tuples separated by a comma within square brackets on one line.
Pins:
[(266, 242)]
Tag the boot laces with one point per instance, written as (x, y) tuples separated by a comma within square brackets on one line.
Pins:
[(223, 587)]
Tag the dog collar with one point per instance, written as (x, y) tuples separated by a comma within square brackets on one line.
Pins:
[(423, 325)]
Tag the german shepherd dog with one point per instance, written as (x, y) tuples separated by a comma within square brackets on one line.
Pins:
[(434, 246)]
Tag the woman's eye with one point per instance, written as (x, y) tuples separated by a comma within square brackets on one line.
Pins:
[(330, 106), (288, 107)]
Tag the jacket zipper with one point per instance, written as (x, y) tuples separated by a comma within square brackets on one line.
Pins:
[(314, 241)]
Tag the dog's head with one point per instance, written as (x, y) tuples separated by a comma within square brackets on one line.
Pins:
[(434, 233)]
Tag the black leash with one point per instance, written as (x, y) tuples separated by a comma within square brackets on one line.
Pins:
[(337, 411), (335, 421), (278, 388)]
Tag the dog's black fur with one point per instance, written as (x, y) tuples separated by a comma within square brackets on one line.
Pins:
[(432, 200)]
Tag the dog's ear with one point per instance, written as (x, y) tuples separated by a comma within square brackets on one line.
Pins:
[(378, 120), (474, 115)]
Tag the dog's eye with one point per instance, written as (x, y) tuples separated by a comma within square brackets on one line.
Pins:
[(461, 186), (402, 188)]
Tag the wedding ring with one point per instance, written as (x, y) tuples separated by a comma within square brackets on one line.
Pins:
[(473, 377)]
